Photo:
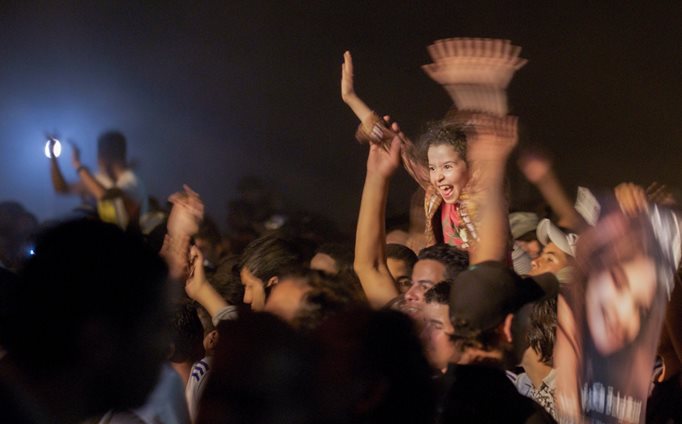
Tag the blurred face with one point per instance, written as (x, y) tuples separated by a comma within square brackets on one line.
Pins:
[(616, 301), (425, 274), (533, 248), (254, 290), (435, 335), (447, 171), (551, 260), (400, 273), (325, 263), (285, 298), (210, 251)]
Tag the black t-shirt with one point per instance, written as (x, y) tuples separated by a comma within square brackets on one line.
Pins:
[(484, 394)]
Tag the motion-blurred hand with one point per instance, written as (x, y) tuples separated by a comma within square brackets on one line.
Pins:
[(631, 199), (492, 139), (186, 214), (535, 165)]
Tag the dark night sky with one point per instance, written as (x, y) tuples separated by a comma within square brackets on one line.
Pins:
[(210, 91)]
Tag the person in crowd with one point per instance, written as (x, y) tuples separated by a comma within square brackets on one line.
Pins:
[(534, 329), (202, 368), (437, 330), (263, 262), (305, 298), (333, 258), (558, 251), (263, 372), (434, 263), (440, 165), (375, 360), (523, 227), (490, 145), (99, 298), (120, 194), (209, 240), (400, 260), (483, 302), (186, 332)]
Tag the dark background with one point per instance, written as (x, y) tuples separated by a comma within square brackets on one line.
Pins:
[(208, 92)]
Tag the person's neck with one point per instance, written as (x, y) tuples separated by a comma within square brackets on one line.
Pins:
[(116, 169), (184, 369), (112, 170), (536, 371)]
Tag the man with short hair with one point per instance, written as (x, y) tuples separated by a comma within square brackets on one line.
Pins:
[(435, 263), (483, 302), (437, 330), (535, 327), (120, 194)]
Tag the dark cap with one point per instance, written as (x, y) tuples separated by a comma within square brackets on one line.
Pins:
[(483, 295)]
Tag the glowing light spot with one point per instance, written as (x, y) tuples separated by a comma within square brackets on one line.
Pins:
[(57, 148)]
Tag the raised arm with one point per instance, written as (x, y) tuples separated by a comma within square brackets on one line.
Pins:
[(90, 184), (538, 170), (199, 289), (370, 242), (489, 148), (375, 130), (359, 108)]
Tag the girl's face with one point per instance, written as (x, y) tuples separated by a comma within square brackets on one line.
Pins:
[(617, 300), (448, 172)]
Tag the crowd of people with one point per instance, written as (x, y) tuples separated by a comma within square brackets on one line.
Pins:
[(133, 313)]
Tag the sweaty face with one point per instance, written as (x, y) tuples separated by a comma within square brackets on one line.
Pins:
[(552, 259), (617, 301), (425, 274), (435, 335), (400, 273), (447, 171), (254, 290)]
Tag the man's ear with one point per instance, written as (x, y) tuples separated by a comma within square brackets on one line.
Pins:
[(272, 281), (506, 328), (212, 339)]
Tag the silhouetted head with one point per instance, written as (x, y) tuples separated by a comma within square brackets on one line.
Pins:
[(111, 148), (91, 306)]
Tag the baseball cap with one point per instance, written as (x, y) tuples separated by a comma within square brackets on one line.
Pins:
[(548, 232), (482, 296), (521, 223)]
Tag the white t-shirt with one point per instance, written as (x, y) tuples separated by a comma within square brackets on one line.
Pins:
[(130, 185)]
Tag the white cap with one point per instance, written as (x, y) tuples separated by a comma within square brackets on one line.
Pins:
[(548, 232)]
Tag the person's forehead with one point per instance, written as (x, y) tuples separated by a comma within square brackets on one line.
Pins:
[(553, 249), (247, 276), (442, 152), (428, 270)]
